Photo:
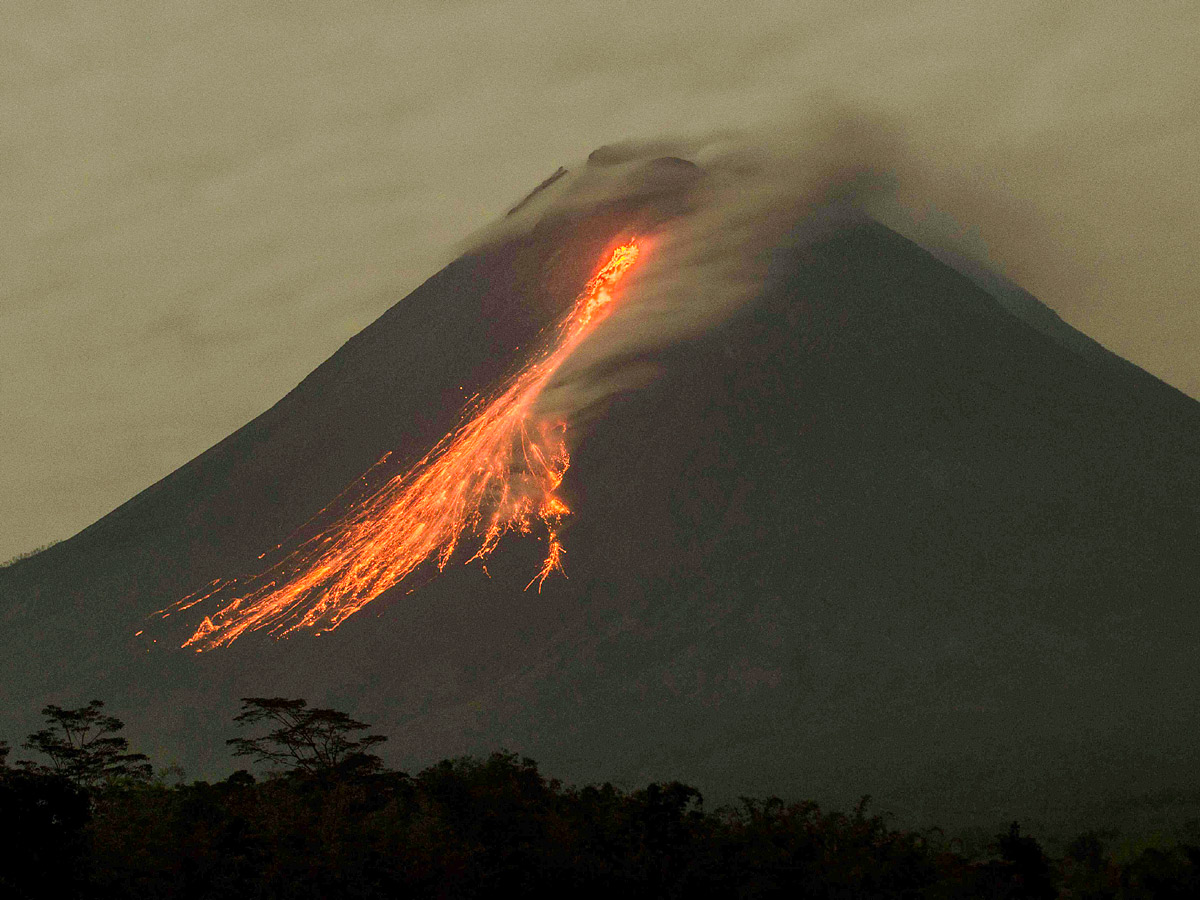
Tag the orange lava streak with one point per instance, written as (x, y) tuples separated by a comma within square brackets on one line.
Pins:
[(496, 472)]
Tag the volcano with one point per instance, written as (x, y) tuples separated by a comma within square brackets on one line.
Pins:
[(891, 527)]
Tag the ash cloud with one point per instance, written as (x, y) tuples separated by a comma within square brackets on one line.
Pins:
[(959, 199), (736, 196)]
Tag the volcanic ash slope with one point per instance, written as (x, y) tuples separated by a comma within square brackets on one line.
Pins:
[(873, 534)]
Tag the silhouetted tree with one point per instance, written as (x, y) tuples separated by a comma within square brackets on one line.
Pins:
[(1160, 873), (664, 821), (83, 746), (1088, 870), (4, 750), (1029, 869), (471, 827), (311, 740)]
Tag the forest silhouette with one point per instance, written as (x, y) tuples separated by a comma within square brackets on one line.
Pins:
[(88, 817)]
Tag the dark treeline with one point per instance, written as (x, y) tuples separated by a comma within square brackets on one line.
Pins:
[(88, 818)]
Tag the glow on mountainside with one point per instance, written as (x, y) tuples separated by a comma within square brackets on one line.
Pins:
[(497, 471)]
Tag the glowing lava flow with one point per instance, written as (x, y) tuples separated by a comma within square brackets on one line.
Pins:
[(497, 472)]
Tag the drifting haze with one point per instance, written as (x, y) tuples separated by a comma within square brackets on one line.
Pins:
[(203, 201)]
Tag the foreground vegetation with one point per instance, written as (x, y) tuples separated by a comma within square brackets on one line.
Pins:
[(89, 818)]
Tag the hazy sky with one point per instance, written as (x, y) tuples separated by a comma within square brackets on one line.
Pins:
[(202, 201)]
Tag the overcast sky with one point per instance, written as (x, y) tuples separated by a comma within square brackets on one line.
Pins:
[(202, 201)]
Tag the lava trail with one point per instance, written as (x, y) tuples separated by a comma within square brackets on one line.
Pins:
[(497, 472)]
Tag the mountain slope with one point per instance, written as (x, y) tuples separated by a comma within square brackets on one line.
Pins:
[(874, 534)]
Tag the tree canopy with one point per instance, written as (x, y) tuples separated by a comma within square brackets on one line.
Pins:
[(471, 827), (313, 740), (83, 746)]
